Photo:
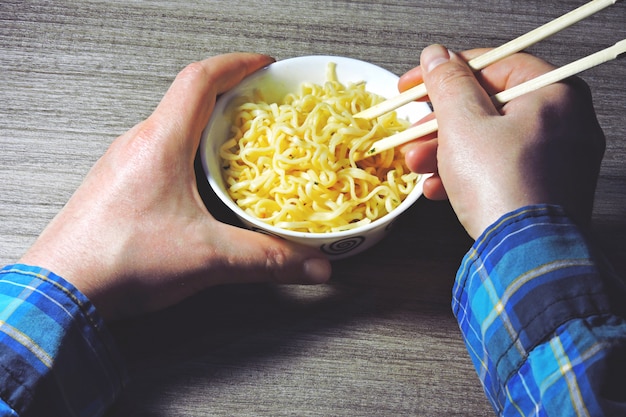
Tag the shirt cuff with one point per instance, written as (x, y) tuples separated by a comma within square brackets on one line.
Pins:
[(56, 355), (528, 274)]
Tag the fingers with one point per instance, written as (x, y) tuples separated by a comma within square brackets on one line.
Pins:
[(511, 71), (434, 189), (506, 73), (453, 89), (414, 76), (457, 97), (421, 156), (185, 109), (410, 79)]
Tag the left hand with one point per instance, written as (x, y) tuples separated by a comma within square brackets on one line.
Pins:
[(136, 236)]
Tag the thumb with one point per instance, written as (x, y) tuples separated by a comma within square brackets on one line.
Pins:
[(454, 91), (256, 257)]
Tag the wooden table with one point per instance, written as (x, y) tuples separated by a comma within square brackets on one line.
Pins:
[(379, 339)]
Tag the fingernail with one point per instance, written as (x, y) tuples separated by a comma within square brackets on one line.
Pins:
[(317, 270), (433, 56)]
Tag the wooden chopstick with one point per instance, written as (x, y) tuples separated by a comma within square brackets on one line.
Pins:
[(494, 55), (505, 96)]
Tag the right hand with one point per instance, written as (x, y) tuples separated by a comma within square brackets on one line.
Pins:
[(543, 147)]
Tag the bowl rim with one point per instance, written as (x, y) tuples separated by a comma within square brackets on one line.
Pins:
[(224, 100)]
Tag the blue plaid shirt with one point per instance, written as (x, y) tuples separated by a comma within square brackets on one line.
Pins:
[(56, 357), (543, 318)]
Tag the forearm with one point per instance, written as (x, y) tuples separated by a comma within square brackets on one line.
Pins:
[(542, 317), (56, 356)]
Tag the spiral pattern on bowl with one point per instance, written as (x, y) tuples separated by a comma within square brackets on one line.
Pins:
[(342, 246)]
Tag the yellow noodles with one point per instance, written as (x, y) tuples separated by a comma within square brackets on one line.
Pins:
[(292, 164)]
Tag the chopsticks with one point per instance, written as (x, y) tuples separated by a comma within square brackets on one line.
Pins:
[(495, 55), (505, 96)]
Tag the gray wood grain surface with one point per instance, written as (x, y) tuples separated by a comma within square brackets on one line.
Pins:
[(380, 339)]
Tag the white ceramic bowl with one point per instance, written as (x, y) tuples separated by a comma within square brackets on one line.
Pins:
[(275, 81)]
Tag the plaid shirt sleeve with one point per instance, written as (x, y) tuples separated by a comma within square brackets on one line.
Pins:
[(56, 357), (543, 318)]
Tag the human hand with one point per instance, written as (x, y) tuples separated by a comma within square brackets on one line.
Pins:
[(543, 147), (136, 237)]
